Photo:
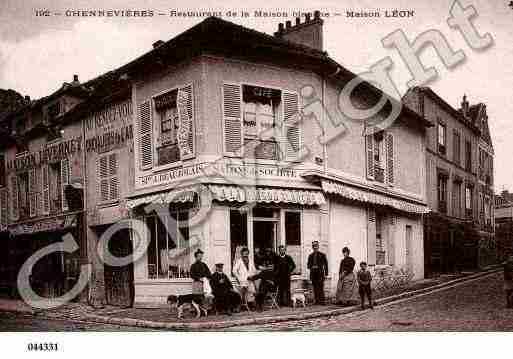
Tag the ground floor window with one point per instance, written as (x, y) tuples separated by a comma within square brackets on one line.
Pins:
[(380, 239), (170, 251), (265, 228)]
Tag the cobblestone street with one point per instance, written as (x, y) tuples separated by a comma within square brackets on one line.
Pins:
[(478, 305)]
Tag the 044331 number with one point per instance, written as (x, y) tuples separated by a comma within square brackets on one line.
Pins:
[(42, 347)]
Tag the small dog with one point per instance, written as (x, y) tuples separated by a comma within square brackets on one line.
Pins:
[(180, 301), (298, 297)]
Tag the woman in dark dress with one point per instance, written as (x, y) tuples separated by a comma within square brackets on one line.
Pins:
[(347, 279)]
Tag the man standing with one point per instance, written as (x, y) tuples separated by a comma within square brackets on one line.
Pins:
[(284, 267), (318, 266), (199, 272)]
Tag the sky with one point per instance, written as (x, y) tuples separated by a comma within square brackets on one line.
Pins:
[(39, 53)]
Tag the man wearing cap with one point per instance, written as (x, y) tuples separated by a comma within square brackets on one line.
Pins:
[(284, 268), (318, 266), (226, 298), (199, 271)]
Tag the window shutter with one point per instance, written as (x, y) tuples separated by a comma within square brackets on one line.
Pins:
[(145, 130), (32, 185), (232, 117), (371, 235), (291, 122), (103, 180), (45, 188), (369, 146), (113, 176), (4, 207), (64, 182), (14, 198), (390, 157), (185, 105)]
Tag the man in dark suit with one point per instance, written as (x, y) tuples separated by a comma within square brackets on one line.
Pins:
[(284, 267), (318, 266), (226, 298)]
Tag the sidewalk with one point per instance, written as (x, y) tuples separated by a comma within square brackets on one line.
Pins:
[(162, 318)]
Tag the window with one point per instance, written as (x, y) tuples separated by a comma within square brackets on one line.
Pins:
[(108, 182), (442, 193), (238, 233), (3, 178), (380, 240), (260, 115), (379, 157), (170, 251), (456, 149), (165, 131), (441, 138), (468, 201), (456, 193), (468, 155), (23, 198), (293, 238), (55, 187)]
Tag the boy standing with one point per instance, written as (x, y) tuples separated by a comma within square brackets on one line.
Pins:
[(364, 284)]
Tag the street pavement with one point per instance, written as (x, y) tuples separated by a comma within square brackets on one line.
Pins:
[(475, 305)]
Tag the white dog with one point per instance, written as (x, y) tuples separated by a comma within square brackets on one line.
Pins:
[(298, 298)]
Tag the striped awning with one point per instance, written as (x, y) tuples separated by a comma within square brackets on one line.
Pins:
[(366, 196), (266, 195), (174, 196)]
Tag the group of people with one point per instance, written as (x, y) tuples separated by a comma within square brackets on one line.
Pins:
[(318, 267), (270, 272)]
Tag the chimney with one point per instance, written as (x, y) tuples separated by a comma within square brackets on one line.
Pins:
[(75, 80), (308, 33), (158, 43), (464, 106), (27, 99)]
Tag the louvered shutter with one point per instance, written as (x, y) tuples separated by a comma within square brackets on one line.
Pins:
[(371, 235), (4, 207), (291, 125), (113, 177), (65, 174), (45, 189), (369, 158), (389, 138), (103, 180), (391, 240), (232, 118), (185, 106), (32, 185), (14, 198), (145, 131)]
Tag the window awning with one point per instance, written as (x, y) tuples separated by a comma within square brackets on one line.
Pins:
[(266, 195), (370, 197), (174, 196)]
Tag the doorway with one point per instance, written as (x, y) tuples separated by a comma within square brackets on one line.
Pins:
[(265, 229)]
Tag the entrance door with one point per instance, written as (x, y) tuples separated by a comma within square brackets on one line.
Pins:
[(119, 281), (264, 235)]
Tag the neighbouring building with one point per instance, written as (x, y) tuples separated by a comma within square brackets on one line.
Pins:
[(40, 189), (504, 224), (459, 230)]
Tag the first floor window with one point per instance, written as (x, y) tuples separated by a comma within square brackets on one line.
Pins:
[(456, 193), (442, 194), (468, 201), (441, 138), (170, 251)]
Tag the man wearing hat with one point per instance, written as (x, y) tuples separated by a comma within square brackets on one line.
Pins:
[(225, 297), (199, 272)]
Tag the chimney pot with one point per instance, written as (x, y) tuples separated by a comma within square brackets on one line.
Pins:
[(317, 14), (27, 98), (288, 24), (307, 17), (280, 27), (75, 78), (298, 21)]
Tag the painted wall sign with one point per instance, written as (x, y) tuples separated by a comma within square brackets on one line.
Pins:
[(48, 153), (219, 169), (109, 128), (44, 225)]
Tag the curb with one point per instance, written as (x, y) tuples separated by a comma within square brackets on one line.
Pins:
[(284, 318)]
